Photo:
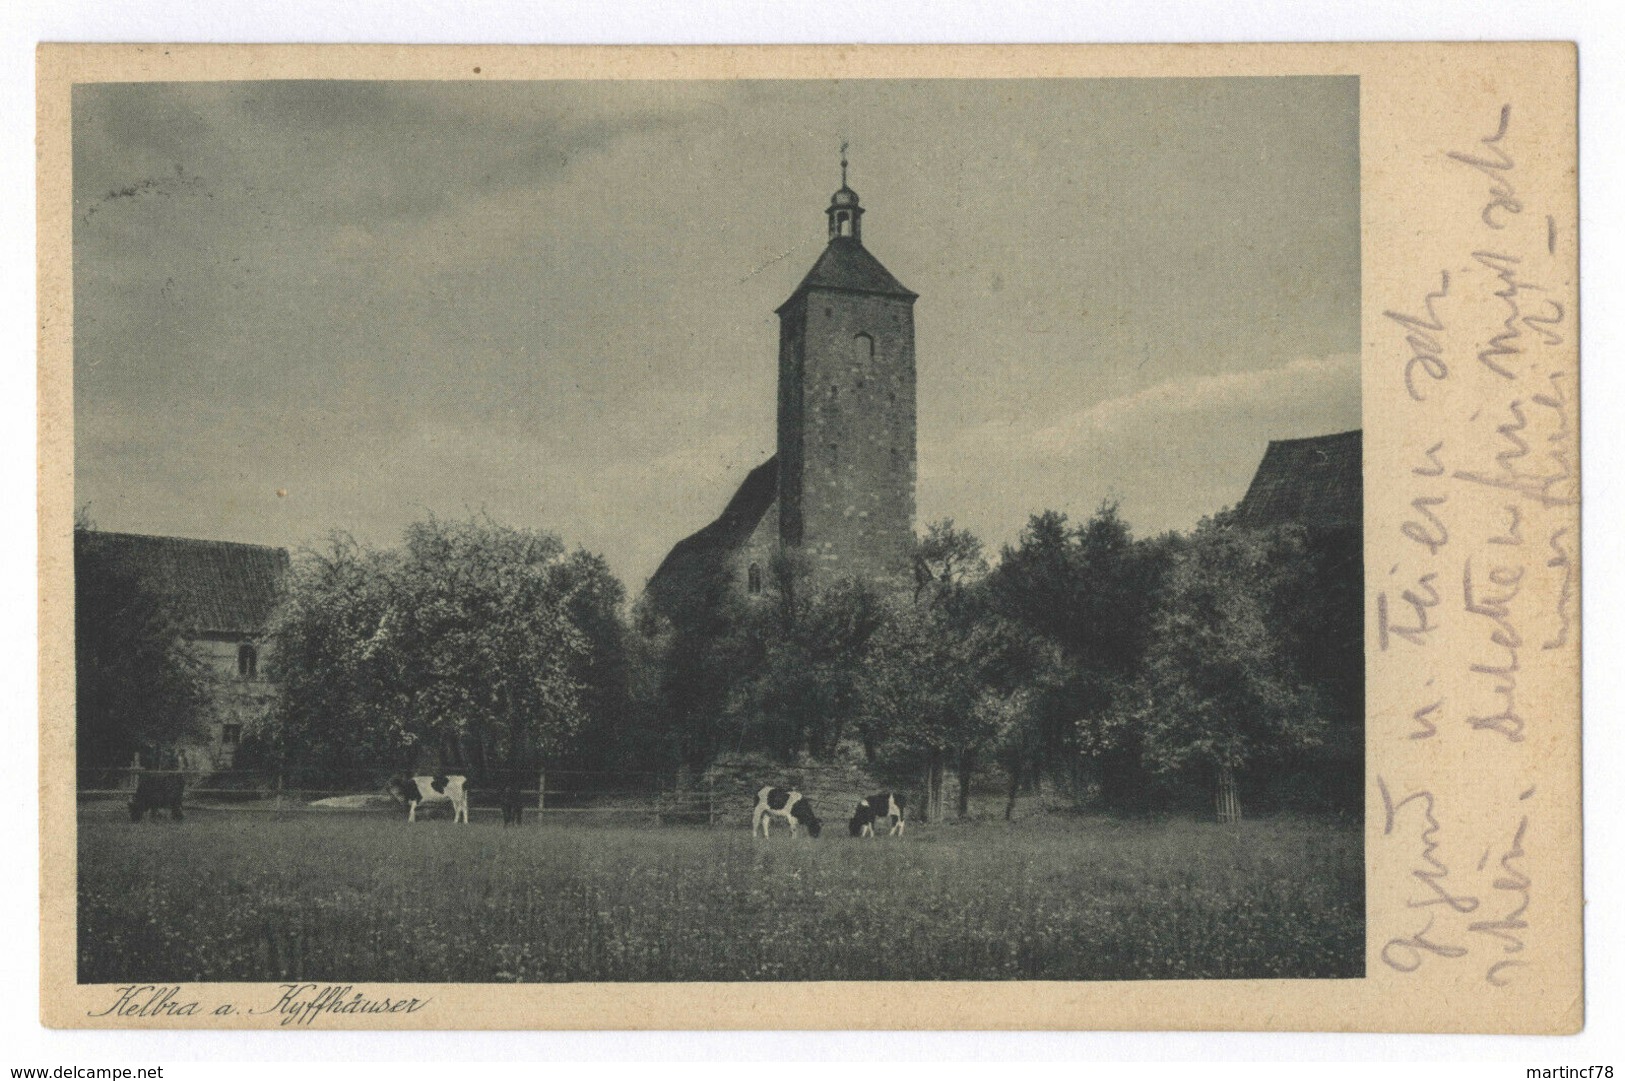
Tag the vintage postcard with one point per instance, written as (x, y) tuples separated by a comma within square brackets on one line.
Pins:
[(928, 537)]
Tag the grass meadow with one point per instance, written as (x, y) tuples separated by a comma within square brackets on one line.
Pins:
[(367, 898)]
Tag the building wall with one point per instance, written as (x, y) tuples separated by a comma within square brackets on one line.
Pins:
[(758, 552), (241, 701), (847, 432)]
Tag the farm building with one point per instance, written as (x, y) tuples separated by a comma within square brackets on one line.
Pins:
[(840, 490), (1315, 482), (221, 594)]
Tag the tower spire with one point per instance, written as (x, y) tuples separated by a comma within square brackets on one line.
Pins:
[(845, 215)]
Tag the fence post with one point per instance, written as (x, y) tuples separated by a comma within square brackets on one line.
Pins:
[(711, 802), (280, 784), (1229, 800), (541, 793)]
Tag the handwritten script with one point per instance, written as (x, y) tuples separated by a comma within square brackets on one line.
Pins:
[(1485, 580)]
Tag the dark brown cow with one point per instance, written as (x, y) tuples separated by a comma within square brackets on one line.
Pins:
[(155, 792), (513, 804)]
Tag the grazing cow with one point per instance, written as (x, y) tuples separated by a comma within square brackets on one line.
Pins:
[(156, 791), (886, 806), (513, 805), (441, 788), (793, 807)]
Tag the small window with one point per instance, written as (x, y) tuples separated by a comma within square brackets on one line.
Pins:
[(753, 578), (865, 345), (248, 661), (231, 734)]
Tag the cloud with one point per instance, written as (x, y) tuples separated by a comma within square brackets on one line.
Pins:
[(315, 153), (1200, 401), (554, 299)]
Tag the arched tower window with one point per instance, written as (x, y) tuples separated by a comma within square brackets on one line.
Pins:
[(753, 578), (248, 661), (863, 345)]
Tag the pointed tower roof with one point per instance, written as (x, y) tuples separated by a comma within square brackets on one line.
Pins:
[(846, 265)]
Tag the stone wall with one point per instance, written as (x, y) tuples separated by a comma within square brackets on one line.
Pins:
[(239, 700), (847, 432)]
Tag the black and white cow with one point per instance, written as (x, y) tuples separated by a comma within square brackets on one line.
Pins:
[(886, 807), (441, 788), (793, 807), (155, 792)]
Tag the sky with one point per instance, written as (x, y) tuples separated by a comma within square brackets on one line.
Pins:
[(312, 306)]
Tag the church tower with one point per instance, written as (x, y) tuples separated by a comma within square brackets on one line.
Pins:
[(840, 490), (846, 408)]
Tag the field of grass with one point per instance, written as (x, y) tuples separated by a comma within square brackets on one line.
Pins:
[(364, 898)]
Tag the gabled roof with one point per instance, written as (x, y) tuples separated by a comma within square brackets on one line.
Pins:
[(704, 555), (847, 266), (1315, 482), (210, 586)]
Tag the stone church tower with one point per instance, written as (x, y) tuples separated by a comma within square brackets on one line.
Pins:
[(840, 490), (846, 408)]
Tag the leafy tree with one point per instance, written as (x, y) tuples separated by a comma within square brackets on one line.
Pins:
[(138, 687), (1222, 687), (1089, 592), (919, 694), (462, 643), (803, 694), (944, 683), (612, 733), (946, 559), (699, 652)]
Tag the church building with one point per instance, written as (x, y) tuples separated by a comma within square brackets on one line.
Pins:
[(840, 490)]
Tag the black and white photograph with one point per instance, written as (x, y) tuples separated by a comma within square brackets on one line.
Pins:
[(657, 531)]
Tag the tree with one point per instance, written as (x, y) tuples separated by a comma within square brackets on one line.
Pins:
[(1222, 688), (463, 642), (611, 733), (698, 653), (946, 559), (138, 687), (1089, 592), (803, 694), (943, 683)]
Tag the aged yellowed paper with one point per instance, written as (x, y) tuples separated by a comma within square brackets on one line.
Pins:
[(1130, 270)]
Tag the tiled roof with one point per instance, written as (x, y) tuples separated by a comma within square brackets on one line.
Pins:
[(218, 586), (846, 265), (1315, 482), (704, 555)]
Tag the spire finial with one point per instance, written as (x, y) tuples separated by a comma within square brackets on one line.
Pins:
[(843, 162)]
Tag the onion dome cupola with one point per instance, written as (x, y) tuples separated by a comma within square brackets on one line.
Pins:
[(845, 213)]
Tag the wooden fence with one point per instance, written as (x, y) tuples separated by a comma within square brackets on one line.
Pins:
[(663, 798), (558, 795)]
